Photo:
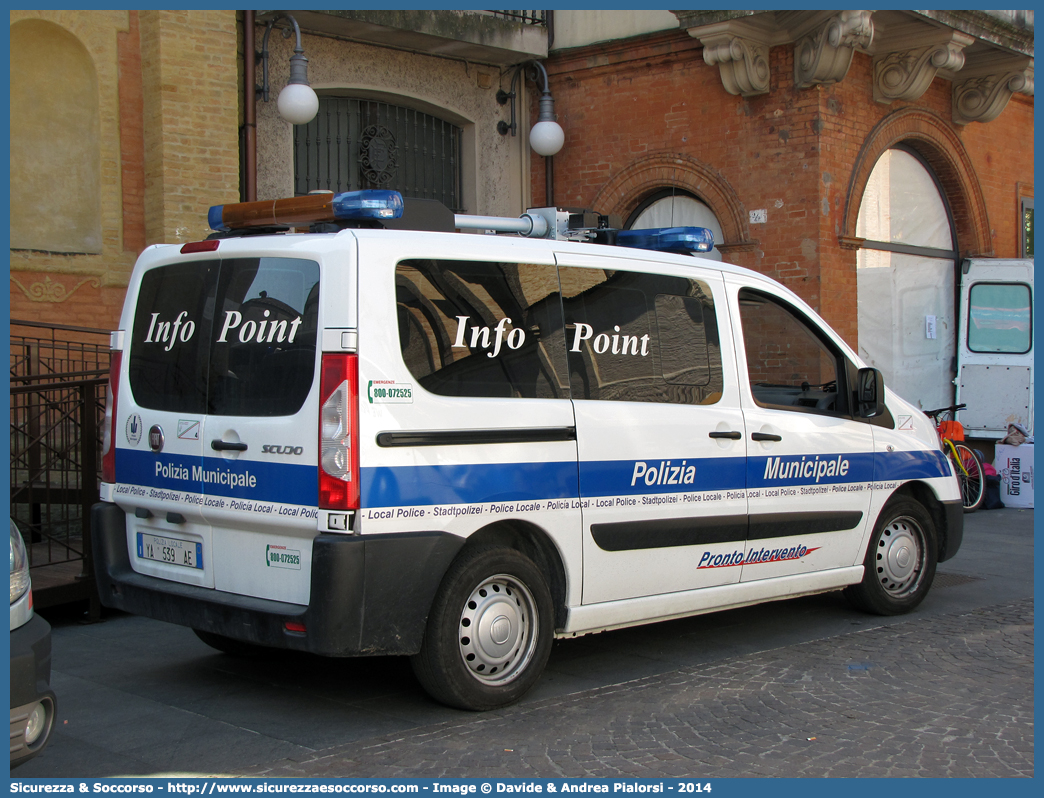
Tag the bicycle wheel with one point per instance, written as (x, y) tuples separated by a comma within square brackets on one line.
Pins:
[(971, 478)]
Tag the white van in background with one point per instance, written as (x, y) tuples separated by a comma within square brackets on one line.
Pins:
[(995, 346)]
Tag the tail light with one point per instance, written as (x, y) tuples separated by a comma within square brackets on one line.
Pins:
[(108, 426), (339, 433)]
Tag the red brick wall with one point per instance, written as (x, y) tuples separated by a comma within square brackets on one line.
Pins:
[(132, 137), (1003, 154), (791, 152), (72, 299)]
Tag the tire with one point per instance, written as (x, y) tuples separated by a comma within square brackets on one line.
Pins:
[(233, 647), (900, 561), (489, 631), (973, 486)]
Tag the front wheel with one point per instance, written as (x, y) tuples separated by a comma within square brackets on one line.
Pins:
[(971, 478), (489, 632), (900, 560)]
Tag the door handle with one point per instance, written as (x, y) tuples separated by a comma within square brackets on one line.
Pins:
[(224, 446), (732, 436), (764, 436)]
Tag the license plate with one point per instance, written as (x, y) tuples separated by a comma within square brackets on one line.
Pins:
[(170, 550)]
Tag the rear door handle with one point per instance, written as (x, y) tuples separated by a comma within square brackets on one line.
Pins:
[(225, 446), (764, 436), (732, 436)]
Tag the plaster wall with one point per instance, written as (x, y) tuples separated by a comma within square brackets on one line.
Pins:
[(580, 28), (495, 167)]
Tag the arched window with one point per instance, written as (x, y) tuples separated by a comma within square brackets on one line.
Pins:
[(55, 141), (671, 208), (357, 143), (906, 279)]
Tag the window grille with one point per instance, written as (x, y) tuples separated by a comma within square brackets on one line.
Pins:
[(357, 144), (525, 17)]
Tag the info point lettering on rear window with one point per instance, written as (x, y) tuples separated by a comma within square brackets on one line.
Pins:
[(226, 337)]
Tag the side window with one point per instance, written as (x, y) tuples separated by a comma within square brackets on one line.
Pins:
[(789, 366), (999, 318), (470, 328), (641, 337), (233, 337)]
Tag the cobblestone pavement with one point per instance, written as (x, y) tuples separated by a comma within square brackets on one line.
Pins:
[(949, 696)]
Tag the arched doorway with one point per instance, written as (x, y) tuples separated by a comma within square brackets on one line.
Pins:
[(906, 272), (672, 208)]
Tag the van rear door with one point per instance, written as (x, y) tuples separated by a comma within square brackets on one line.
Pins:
[(995, 346), (161, 405), (260, 436)]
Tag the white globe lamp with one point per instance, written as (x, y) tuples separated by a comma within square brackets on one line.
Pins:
[(297, 103), (547, 137)]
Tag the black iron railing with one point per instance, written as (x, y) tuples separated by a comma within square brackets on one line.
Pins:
[(525, 17), (58, 379)]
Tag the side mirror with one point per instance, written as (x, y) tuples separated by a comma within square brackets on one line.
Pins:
[(869, 393)]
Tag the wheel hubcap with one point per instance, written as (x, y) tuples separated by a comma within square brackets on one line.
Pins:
[(900, 556), (497, 632)]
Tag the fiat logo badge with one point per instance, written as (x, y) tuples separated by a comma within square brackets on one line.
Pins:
[(156, 438)]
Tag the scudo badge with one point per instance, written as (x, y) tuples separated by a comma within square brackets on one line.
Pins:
[(156, 438)]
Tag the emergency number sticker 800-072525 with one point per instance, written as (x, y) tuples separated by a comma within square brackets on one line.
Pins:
[(389, 392), (282, 557)]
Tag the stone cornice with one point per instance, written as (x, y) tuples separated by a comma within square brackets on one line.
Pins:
[(742, 62), (907, 74), (825, 54), (910, 49), (981, 97)]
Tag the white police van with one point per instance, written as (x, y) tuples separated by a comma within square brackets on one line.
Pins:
[(358, 441)]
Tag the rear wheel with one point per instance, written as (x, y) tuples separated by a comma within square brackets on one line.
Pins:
[(900, 560), (971, 478), (489, 632)]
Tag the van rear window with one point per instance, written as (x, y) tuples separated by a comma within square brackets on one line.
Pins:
[(233, 337), (1000, 318)]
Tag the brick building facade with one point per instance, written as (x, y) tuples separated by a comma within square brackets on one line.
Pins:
[(647, 114), (137, 115), (133, 135)]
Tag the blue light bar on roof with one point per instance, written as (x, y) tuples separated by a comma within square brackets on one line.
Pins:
[(370, 203), (300, 211), (682, 240)]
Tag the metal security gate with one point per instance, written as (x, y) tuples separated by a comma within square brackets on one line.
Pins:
[(357, 144), (58, 377)]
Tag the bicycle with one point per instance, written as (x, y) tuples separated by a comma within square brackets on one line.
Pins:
[(966, 463)]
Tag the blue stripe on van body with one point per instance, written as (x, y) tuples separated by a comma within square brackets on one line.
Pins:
[(466, 484), (910, 465), (614, 477), (215, 476), (500, 482), (792, 470)]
